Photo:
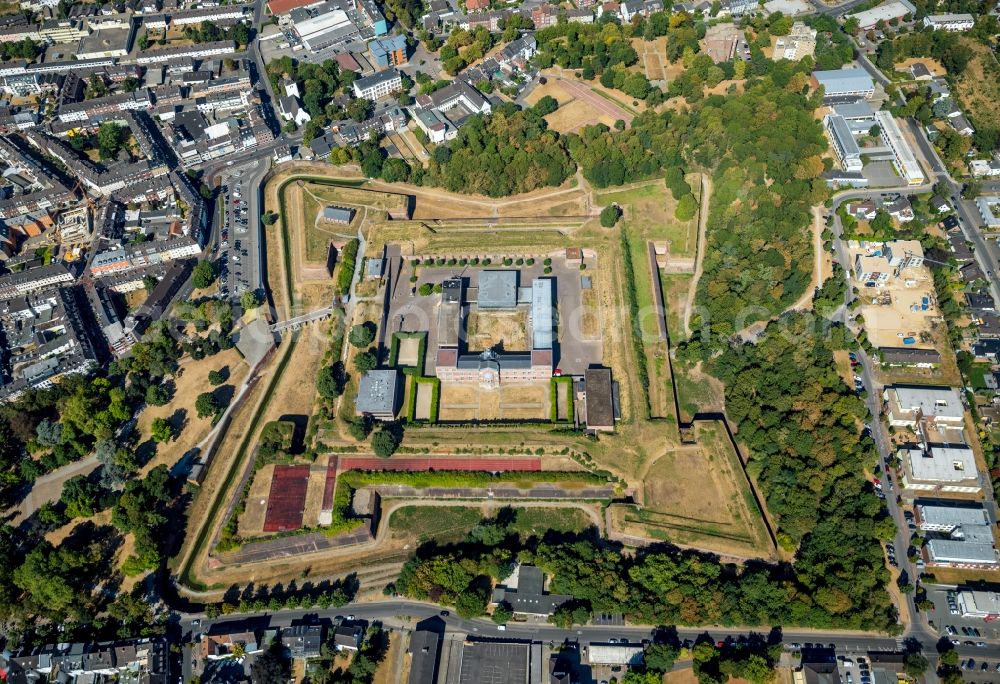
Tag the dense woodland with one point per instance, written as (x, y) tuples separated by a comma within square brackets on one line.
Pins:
[(508, 152), (79, 417)]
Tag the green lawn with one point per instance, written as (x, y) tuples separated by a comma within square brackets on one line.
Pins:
[(977, 376), (649, 215)]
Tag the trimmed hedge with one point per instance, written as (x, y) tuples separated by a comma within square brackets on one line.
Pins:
[(394, 346), (554, 383), (411, 408)]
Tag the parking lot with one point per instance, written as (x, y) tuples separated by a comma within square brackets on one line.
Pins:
[(237, 247), (945, 614)]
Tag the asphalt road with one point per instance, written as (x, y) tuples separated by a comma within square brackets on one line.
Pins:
[(401, 613)]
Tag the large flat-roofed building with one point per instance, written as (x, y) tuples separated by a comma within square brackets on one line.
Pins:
[(497, 290), (989, 210), (950, 469), (614, 654), (972, 551), (542, 320), (841, 83), (843, 142), (908, 405), (939, 516), (494, 662), (887, 11), (388, 52), (950, 22), (323, 25), (599, 401), (979, 604), (903, 160), (378, 394)]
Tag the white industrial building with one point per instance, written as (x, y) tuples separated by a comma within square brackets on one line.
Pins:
[(887, 11), (950, 22), (902, 156), (944, 517), (325, 25), (843, 142), (908, 405), (843, 83), (979, 604)]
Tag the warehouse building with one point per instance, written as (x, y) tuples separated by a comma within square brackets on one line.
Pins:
[(979, 604), (324, 25), (845, 83), (887, 11), (950, 22)]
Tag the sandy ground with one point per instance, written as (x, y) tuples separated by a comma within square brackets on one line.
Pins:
[(389, 670), (887, 324), (460, 401), (487, 329), (251, 523), (932, 65), (409, 347), (422, 411), (191, 381)]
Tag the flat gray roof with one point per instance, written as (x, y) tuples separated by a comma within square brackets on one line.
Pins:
[(943, 464), (377, 392), (840, 81), (943, 514), (542, 332), (951, 551), (497, 290), (933, 402), (492, 662)]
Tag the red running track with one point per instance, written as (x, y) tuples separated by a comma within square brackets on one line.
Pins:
[(422, 464), (331, 482), (286, 500)]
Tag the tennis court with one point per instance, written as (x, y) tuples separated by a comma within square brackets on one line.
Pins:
[(287, 499)]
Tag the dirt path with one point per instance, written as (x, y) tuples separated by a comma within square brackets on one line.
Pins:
[(752, 332), (706, 193), (49, 487)]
